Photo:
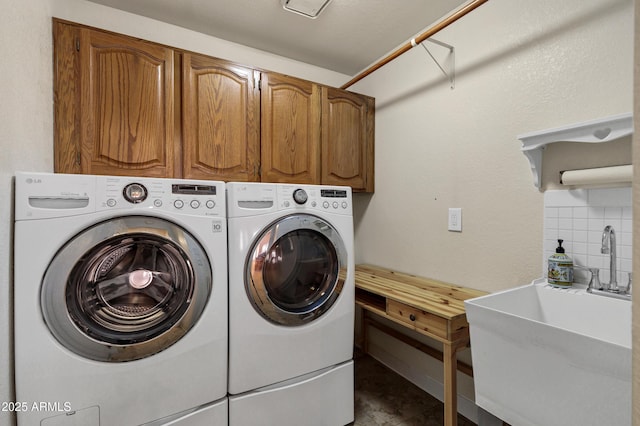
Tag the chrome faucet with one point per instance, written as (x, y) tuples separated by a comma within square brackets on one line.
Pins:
[(610, 289), (609, 247)]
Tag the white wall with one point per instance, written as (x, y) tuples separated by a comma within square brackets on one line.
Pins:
[(25, 137), (520, 66), (26, 111)]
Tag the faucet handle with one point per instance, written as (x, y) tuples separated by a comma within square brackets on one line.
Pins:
[(594, 276), (629, 282), (595, 284)]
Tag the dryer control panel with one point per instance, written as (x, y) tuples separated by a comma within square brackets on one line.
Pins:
[(315, 197), (250, 198)]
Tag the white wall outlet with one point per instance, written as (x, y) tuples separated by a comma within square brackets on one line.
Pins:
[(455, 219)]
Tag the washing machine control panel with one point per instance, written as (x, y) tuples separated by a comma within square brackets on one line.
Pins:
[(203, 198)]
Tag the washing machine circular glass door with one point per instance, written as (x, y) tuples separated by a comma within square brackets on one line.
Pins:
[(126, 288), (295, 269)]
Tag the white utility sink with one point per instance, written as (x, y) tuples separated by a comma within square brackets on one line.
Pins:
[(546, 356)]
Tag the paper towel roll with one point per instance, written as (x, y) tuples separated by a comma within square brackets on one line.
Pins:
[(598, 176)]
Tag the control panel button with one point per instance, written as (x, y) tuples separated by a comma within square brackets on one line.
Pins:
[(335, 204), (135, 193), (178, 204), (210, 204), (157, 203), (300, 196), (111, 202), (194, 204), (344, 205), (287, 204), (325, 204)]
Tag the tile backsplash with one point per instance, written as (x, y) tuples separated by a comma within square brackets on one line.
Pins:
[(578, 217)]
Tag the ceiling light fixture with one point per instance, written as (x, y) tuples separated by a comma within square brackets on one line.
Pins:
[(309, 8)]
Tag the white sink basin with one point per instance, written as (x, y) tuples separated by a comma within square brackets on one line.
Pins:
[(546, 356)]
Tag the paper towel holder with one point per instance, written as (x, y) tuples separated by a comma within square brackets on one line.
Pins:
[(595, 131), (611, 176)]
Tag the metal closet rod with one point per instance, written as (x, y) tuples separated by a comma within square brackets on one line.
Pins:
[(444, 23)]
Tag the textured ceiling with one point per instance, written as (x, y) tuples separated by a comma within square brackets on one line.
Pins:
[(348, 36)]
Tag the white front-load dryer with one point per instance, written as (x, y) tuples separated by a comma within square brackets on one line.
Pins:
[(291, 304), (120, 291)]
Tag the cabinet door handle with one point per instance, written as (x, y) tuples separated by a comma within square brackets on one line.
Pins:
[(412, 317)]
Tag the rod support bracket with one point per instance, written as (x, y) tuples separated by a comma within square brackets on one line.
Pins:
[(451, 73)]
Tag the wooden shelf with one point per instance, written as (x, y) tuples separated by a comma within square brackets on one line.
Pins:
[(430, 307), (371, 301)]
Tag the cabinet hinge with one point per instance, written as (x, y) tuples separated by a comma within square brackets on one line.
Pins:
[(78, 44), (257, 81)]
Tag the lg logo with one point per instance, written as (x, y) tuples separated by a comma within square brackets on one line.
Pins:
[(30, 180)]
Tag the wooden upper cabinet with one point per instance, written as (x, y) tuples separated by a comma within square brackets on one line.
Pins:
[(220, 121), (124, 106), (126, 114), (347, 139), (290, 149)]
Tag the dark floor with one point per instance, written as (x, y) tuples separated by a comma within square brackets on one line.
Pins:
[(384, 398)]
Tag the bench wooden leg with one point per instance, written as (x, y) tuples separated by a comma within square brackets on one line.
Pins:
[(450, 385)]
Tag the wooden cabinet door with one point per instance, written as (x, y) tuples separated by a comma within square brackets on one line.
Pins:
[(290, 149), (347, 139), (126, 113), (221, 120), (127, 106)]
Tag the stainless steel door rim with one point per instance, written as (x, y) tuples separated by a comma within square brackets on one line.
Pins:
[(125, 288), (294, 269)]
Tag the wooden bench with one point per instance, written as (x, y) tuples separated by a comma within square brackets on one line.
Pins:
[(429, 307)]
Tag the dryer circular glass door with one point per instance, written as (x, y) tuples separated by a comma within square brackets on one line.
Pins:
[(126, 288), (295, 269)]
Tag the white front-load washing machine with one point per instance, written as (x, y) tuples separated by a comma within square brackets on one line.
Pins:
[(291, 304), (120, 295)]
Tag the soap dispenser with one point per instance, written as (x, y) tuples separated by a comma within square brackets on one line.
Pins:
[(560, 268)]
